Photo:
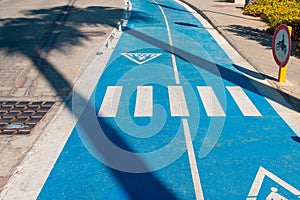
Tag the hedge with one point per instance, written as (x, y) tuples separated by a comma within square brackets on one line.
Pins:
[(278, 12)]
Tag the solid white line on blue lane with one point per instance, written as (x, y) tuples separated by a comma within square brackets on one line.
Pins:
[(179, 107), (176, 75), (192, 159)]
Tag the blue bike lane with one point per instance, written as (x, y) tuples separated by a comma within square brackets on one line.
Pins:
[(172, 118)]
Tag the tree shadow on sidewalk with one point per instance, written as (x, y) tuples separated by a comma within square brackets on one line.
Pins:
[(261, 36), (36, 35)]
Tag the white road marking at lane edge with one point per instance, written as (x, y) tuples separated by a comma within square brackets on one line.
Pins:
[(178, 106), (211, 104), (242, 100), (192, 159), (176, 75), (144, 102), (110, 103)]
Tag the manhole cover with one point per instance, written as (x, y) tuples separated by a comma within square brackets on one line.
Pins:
[(20, 117)]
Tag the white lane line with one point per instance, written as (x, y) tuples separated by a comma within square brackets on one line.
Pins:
[(178, 107), (192, 159), (144, 102), (176, 75), (211, 104), (177, 100), (242, 100), (110, 103)]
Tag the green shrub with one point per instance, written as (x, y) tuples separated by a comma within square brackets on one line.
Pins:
[(278, 12)]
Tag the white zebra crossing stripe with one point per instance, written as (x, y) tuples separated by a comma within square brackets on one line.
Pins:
[(178, 105), (110, 104), (242, 100), (211, 104), (177, 100), (144, 102)]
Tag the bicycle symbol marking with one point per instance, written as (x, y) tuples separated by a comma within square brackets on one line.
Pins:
[(280, 45), (274, 195)]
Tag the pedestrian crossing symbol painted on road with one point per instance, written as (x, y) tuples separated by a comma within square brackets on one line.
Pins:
[(141, 58)]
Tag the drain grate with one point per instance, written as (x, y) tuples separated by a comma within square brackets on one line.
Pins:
[(20, 117)]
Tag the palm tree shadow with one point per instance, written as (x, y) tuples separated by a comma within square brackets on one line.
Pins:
[(36, 35), (22, 36)]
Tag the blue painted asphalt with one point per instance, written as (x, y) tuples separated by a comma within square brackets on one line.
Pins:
[(129, 157)]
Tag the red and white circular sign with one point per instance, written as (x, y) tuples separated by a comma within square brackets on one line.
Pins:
[(281, 45)]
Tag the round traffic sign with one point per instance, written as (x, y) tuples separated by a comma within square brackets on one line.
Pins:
[(281, 45)]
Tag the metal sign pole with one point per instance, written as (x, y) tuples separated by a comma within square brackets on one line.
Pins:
[(282, 70)]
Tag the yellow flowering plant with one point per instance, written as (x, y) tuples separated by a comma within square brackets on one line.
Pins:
[(278, 12)]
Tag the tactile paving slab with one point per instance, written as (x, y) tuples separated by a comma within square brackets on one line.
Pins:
[(20, 117)]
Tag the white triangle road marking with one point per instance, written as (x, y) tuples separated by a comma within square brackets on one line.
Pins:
[(141, 58)]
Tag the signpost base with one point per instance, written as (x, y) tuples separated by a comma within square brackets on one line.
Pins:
[(282, 74)]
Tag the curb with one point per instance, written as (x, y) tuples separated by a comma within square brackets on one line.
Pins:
[(228, 38), (217, 26)]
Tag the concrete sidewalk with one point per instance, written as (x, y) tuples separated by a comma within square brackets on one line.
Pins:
[(249, 37), (44, 47)]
